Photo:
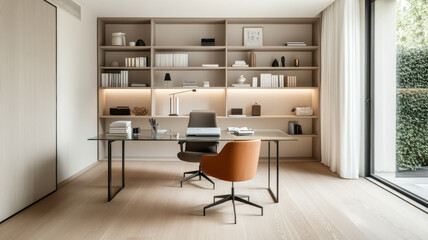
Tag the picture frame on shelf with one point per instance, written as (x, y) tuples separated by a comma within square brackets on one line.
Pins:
[(252, 36)]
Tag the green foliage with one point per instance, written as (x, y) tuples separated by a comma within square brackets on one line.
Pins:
[(412, 129), (412, 78), (412, 67), (412, 22)]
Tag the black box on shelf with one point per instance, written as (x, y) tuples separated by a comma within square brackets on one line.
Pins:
[(120, 110), (207, 41), (236, 111)]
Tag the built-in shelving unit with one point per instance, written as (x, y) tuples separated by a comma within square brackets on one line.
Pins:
[(182, 35)]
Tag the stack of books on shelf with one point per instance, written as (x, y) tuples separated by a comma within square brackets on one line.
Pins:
[(240, 63), (137, 62), (114, 79), (120, 129), (210, 65), (171, 60), (269, 80), (291, 81), (295, 44), (190, 84)]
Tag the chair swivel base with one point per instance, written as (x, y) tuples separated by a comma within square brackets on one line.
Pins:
[(232, 197), (197, 173)]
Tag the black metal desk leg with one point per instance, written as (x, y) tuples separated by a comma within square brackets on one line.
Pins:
[(123, 164), (275, 198), (110, 194), (109, 170), (269, 164)]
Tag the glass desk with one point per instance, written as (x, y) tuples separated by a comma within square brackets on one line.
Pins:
[(266, 135)]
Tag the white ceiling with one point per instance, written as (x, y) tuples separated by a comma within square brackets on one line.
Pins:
[(205, 8)]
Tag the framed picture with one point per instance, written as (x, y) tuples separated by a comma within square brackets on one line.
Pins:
[(253, 36)]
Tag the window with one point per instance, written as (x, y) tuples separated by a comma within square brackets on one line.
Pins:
[(399, 94)]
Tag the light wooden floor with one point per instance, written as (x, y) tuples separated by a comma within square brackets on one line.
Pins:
[(314, 204)]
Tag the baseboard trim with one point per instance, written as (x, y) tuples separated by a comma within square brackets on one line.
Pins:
[(74, 176), (175, 159)]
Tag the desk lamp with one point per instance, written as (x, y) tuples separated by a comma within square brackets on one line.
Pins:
[(175, 100), (167, 79)]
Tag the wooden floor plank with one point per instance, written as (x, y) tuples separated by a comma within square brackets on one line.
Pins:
[(314, 204)]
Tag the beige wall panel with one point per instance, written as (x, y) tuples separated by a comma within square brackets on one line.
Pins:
[(27, 103)]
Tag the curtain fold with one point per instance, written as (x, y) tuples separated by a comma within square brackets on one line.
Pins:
[(341, 99)]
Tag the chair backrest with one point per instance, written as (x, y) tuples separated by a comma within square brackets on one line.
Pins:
[(236, 162), (202, 119)]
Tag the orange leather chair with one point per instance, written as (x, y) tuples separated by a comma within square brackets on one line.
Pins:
[(236, 162)]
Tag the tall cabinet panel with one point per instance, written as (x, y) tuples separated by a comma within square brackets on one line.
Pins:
[(27, 103)]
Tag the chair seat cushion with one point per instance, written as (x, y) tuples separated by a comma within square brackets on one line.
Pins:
[(189, 156)]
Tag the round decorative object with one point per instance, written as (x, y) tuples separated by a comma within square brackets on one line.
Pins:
[(140, 42), (140, 111), (115, 64), (241, 79), (118, 39)]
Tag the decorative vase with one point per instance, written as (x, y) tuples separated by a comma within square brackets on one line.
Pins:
[(241, 79), (252, 59), (275, 63)]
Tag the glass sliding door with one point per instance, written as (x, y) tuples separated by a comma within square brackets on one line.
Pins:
[(400, 95)]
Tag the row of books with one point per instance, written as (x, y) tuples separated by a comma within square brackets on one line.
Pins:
[(291, 81), (190, 84), (269, 80), (137, 62), (172, 60), (114, 79), (120, 129)]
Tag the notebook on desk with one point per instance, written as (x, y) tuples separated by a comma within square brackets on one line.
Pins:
[(203, 132)]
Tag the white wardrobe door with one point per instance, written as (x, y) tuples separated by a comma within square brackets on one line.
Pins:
[(27, 103)]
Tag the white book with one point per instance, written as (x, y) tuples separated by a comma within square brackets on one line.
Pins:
[(233, 129), (254, 82), (234, 65), (210, 65), (126, 78), (137, 62), (267, 79), (241, 85), (143, 62)]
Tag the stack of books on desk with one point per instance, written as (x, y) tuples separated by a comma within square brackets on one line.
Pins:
[(241, 131), (120, 129)]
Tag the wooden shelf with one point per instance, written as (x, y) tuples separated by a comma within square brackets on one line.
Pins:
[(264, 88), (275, 116), (221, 96), (184, 88), (125, 48), (272, 48), (126, 68), (124, 116), (188, 68), (272, 68), (305, 135), (190, 48), (147, 88)]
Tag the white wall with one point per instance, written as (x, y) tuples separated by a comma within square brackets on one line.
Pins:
[(77, 87)]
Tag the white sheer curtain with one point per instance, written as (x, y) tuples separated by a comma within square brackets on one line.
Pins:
[(341, 99)]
